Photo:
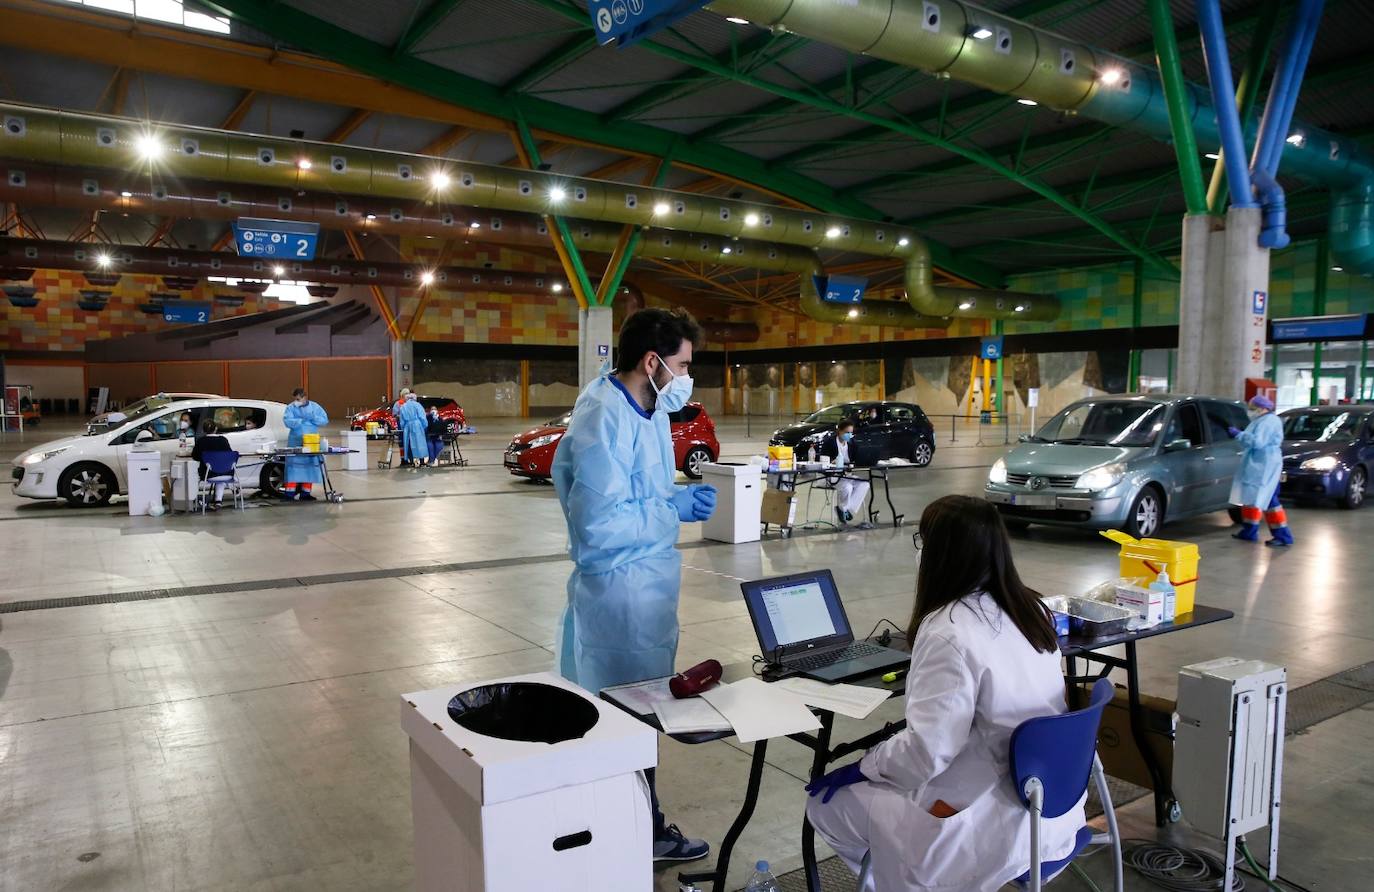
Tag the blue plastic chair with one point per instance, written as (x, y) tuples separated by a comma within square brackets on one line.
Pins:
[(1052, 759), (221, 467)]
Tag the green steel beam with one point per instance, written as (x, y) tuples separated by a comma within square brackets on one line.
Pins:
[(565, 53), (329, 41), (1175, 92), (419, 28), (740, 55), (564, 234), (1121, 180), (618, 274)]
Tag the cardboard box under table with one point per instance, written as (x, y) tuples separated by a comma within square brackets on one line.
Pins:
[(527, 783)]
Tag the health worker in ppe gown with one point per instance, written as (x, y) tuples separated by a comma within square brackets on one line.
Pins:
[(934, 805), (1256, 484), (615, 475), (413, 423), (302, 416)]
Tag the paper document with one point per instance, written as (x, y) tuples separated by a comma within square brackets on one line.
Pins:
[(852, 700), (641, 696), (688, 716), (758, 711)]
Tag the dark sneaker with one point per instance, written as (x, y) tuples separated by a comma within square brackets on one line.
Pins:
[(671, 845), (307, 497)]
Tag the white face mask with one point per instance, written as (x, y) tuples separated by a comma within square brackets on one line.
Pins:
[(674, 395), (185, 425), (302, 401)]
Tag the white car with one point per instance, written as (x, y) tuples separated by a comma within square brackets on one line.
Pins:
[(90, 469)]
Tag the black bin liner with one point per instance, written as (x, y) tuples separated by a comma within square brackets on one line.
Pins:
[(521, 710)]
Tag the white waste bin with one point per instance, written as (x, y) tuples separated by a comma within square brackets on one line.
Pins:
[(357, 441), (528, 783), (145, 479), (185, 476), (739, 502)]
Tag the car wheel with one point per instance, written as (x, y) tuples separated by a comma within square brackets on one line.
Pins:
[(1147, 514), (922, 454), (1234, 513), (87, 485), (272, 480), (695, 458), (1354, 490)]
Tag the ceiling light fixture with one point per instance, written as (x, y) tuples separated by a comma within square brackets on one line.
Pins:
[(148, 146), (304, 164), (440, 180), (736, 20), (126, 194), (725, 250), (966, 305), (751, 219), (1338, 269), (980, 32), (1020, 308), (854, 314), (426, 278), (903, 242), (557, 194), (1212, 156), (102, 260), (371, 216), (475, 224), (1111, 77), (833, 232), (1024, 101), (661, 208), (557, 287), (1297, 139), (279, 271)]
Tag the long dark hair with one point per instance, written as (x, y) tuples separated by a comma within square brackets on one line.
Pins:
[(965, 549)]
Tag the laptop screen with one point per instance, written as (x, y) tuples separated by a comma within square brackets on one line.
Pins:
[(792, 610)]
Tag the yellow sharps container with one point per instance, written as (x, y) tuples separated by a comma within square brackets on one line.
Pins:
[(1144, 558)]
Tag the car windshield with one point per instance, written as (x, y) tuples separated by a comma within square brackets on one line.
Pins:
[(131, 412), (1106, 423), (831, 415), (1324, 427), (561, 421), (432, 402)]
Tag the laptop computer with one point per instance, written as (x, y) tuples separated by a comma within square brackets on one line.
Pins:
[(801, 625)]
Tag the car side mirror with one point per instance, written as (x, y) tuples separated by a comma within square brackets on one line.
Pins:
[(1178, 445), (1024, 438)]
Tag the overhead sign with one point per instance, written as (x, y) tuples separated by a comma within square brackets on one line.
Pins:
[(630, 21), (186, 311), (278, 239), (1319, 328), (992, 348), (841, 289)]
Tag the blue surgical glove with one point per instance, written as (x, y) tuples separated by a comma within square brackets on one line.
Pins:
[(703, 501), (832, 782), (684, 500), (1233, 431)]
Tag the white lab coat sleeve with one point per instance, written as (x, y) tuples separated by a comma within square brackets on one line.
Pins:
[(942, 693), (601, 502)]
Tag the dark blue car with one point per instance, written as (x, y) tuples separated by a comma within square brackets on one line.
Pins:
[(1328, 453)]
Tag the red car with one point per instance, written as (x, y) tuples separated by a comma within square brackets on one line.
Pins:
[(449, 411), (694, 443)]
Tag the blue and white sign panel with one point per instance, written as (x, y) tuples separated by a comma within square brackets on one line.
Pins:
[(186, 311), (992, 348), (841, 289), (629, 21), (1319, 328), (277, 239)]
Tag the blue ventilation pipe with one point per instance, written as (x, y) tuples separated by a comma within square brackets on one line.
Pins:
[(1278, 115), (1218, 60)]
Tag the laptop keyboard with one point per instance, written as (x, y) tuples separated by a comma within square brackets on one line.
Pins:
[(848, 652)]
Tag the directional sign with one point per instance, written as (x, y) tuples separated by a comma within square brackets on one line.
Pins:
[(992, 348), (1318, 328), (629, 21), (186, 311), (841, 289), (278, 239)]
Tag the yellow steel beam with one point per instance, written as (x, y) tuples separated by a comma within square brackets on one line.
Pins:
[(383, 306), (161, 232), (616, 168), (565, 258), (143, 46), (240, 111), (350, 124)]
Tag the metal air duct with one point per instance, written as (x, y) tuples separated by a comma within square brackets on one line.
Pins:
[(163, 153), (938, 36)]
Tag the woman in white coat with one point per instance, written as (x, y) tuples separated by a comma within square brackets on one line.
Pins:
[(935, 803)]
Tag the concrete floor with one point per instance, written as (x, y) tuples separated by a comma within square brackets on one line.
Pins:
[(249, 739)]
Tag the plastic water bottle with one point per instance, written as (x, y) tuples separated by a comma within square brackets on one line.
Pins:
[(762, 880), (1162, 584)]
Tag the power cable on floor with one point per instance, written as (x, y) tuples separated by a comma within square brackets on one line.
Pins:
[(1177, 869)]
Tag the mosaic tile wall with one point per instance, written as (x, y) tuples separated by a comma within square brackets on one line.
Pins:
[(780, 329), (58, 324)]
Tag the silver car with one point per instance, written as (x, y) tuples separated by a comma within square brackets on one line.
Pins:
[(1122, 462)]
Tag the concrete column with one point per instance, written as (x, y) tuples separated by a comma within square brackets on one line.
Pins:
[(1192, 301), (402, 364), (1235, 350), (595, 342)]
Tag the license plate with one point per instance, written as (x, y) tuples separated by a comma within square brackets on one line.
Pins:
[(1283, 477), (1027, 501)]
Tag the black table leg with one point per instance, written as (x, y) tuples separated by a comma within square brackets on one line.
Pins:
[(887, 493), (1163, 790), (808, 841), (751, 797)]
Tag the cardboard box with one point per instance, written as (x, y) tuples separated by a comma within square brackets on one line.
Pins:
[(1147, 603), (1116, 747), (498, 815), (779, 508)]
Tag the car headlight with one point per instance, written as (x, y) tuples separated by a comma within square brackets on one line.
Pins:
[(39, 457), (998, 474), (1101, 478), (544, 440), (1325, 463)]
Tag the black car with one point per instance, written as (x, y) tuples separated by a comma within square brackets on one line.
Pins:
[(882, 430), (1328, 453)]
